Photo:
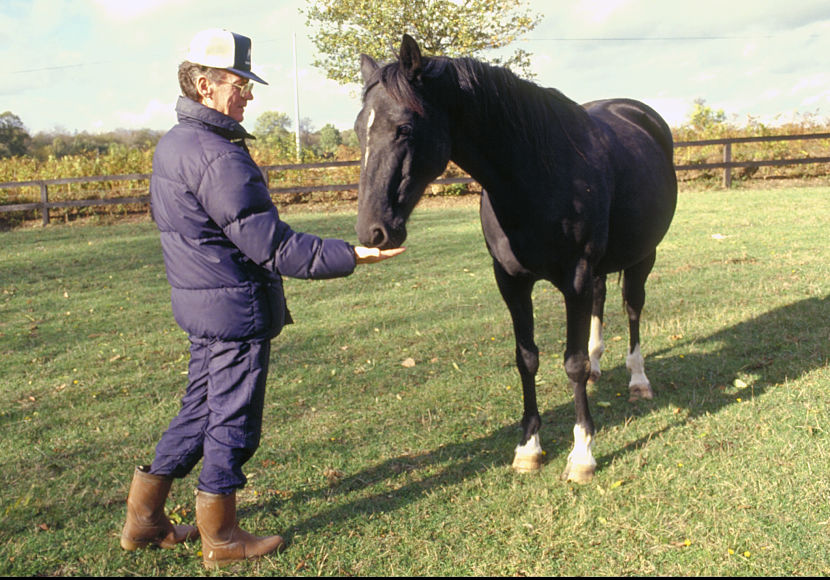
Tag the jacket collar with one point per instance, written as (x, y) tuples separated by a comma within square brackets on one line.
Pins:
[(188, 109)]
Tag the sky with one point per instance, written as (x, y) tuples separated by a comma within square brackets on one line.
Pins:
[(99, 65)]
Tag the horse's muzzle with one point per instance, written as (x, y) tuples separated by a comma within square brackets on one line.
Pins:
[(379, 236)]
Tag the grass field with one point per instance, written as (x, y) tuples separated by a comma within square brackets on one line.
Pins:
[(372, 467)]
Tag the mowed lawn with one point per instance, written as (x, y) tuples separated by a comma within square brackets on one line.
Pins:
[(394, 406)]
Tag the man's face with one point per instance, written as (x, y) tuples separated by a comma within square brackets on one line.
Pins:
[(227, 96)]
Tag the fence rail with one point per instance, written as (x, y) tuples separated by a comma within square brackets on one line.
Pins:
[(44, 205), (727, 165)]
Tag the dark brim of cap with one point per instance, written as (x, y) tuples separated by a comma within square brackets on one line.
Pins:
[(247, 74)]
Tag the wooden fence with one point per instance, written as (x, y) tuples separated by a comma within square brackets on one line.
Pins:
[(44, 205), (727, 165)]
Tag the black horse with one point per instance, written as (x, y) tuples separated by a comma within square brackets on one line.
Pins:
[(571, 194)]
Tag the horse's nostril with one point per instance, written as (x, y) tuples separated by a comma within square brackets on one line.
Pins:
[(378, 237)]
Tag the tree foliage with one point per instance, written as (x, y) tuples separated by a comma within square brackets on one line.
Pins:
[(703, 118), (14, 138), (272, 124), (276, 143), (347, 28), (330, 138)]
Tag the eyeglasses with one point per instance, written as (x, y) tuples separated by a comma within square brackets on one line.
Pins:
[(244, 90)]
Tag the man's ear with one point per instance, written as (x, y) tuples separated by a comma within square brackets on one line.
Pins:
[(203, 87)]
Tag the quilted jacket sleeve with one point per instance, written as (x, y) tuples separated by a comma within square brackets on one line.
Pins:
[(234, 195)]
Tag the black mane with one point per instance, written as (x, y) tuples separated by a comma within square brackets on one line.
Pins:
[(524, 109)]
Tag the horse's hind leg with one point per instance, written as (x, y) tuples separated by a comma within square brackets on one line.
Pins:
[(634, 297), (596, 344), (517, 294)]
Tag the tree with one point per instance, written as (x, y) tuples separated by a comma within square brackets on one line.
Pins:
[(347, 28), (14, 138), (272, 130), (704, 119), (330, 138), (350, 138), (272, 124)]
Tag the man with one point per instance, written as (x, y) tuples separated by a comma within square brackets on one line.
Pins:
[(225, 251)]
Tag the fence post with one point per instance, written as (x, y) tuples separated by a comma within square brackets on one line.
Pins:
[(727, 171), (44, 200)]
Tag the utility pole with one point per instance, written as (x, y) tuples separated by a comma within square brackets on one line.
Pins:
[(296, 97)]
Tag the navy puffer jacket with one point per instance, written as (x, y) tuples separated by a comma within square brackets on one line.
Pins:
[(225, 247)]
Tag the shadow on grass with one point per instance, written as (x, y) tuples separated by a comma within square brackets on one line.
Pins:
[(782, 344)]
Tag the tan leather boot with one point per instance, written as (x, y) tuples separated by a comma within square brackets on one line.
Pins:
[(223, 541), (146, 521)]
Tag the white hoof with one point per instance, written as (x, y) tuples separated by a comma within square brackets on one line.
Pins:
[(528, 457), (581, 474), (640, 391), (527, 463), (639, 387), (581, 463)]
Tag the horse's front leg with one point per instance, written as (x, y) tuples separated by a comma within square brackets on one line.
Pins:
[(581, 463), (517, 294)]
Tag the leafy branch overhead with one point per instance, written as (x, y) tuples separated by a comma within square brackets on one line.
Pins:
[(343, 29)]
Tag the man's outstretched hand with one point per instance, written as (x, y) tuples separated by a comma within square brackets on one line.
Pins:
[(372, 255)]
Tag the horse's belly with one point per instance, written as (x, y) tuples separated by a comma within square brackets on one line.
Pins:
[(632, 239)]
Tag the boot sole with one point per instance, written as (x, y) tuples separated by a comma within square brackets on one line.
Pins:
[(132, 545)]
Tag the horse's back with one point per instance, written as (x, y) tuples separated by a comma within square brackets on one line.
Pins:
[(640, 152), (628, 117)]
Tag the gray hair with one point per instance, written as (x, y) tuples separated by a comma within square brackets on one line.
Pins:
[(189, 72)]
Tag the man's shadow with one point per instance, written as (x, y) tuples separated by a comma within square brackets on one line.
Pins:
[(782, 344)]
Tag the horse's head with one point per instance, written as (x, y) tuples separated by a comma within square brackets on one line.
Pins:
[(404, 141)]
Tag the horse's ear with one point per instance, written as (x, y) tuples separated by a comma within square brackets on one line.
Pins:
[(410, 57), (367, 67)]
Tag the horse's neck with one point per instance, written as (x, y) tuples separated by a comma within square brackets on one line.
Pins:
[(478, 147), (544, 132)]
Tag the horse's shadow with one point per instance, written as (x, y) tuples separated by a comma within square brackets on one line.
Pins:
[(781, 344)]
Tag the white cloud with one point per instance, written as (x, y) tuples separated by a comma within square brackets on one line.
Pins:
[(817, 99), (750, 49), (810, 83), (48, 14), (674, 110), (156, 113), (127, 10), (599, 11)]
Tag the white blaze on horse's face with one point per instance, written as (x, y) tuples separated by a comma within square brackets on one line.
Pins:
[(369, 124)]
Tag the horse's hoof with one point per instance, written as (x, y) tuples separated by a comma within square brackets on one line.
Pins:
[(640, 391), (593, 378), (527, 463), (581, 474)]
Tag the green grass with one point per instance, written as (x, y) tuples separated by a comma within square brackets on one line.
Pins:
[(369, 467)]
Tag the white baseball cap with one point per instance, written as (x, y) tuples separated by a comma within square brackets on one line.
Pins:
[(219, 48)]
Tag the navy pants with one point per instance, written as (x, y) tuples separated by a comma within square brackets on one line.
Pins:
[(220, 419)]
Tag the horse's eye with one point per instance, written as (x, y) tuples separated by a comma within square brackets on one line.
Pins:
[(404, 131)]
